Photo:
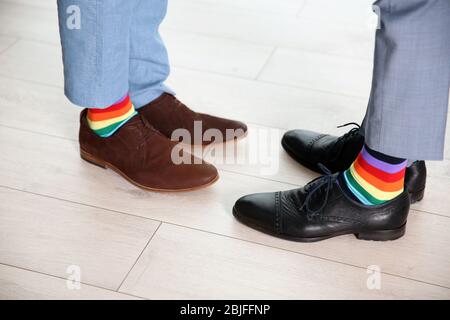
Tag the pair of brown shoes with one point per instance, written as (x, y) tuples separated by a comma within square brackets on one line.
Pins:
[(143, 150)]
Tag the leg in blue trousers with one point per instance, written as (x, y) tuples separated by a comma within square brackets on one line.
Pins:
[(116, 49), (149, 62), (115, 66)]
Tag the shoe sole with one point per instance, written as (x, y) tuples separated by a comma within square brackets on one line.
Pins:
[(373, 235), (413, 196), (106, 165)]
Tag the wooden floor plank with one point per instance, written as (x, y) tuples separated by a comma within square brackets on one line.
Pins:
[(247, 100), (48, 4), (330, 12), (284, 8), (39, 22), (44, 109), (19, 284), (33, 61), (49, 235), (21, 20), (51, 166), (6, 42), (319, 71), (225, 56), (309, 34), (221, 268)]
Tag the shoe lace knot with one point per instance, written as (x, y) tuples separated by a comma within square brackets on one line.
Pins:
[(341, 141), (352, 132), (314, 187)]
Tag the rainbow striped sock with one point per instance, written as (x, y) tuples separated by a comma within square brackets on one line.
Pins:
[(104, 122), (375, 178)]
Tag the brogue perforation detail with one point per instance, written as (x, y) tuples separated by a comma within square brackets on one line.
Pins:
[(311, 143), (277, 212)]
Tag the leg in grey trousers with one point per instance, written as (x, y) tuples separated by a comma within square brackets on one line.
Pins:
[(407, 111)]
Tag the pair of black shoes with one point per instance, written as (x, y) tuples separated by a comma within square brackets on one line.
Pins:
[(321, 209)]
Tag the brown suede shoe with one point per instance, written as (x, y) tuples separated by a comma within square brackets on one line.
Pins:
[(167, 114), (142, 155)]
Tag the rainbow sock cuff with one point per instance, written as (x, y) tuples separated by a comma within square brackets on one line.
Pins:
[(104, 122), (374, 178)]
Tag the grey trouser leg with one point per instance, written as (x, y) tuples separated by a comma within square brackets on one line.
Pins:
[(407, 111)]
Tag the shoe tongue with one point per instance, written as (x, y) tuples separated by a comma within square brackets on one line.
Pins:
[(135, 126), (135, 121), (141, 128), (345, 189)]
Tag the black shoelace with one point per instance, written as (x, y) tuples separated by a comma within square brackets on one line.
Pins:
[(327, 180), (352, 131), (346, 136), (315, 186)]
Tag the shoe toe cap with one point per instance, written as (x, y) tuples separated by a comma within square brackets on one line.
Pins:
[(181, 177), (239, 126), (229, 129), (234, 130), (257, 211), (195, 176)]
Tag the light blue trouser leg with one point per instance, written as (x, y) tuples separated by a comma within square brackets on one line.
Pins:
[(114, 49), (407, 111), (149, 63)]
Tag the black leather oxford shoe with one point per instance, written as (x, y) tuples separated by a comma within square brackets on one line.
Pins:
[(338, 153), (322, 210)]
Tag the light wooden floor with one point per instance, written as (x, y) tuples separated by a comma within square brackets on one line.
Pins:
[(273, 63)]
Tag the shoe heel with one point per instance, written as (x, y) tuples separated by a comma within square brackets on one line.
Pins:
[(416, 196), (91, 159), (382, 235)]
